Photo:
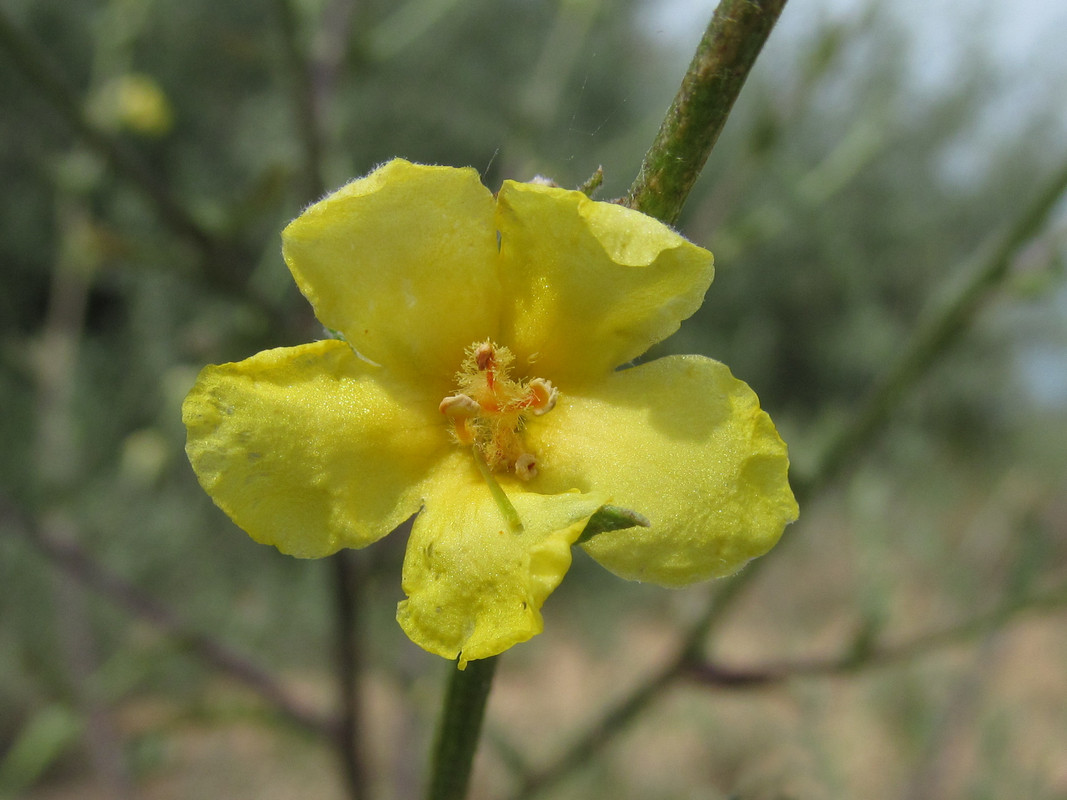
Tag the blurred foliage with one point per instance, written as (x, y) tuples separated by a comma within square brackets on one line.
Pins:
[(834, 219)]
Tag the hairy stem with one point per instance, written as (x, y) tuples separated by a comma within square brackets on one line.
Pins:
[(460, 727), (722, 62)]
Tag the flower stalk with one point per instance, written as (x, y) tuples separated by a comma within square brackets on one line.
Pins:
[(459, 729)]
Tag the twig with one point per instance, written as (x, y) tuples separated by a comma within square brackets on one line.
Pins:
[(349, 576), (719, 675), (723, 59), (32, 60), (947, 319), (615, 719), (305, 102), (57, 454), (81, 566)]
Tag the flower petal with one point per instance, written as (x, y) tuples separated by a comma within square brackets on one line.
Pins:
[(308, 448), (590, 285), (683, 442), (474, 586), (403, 263)]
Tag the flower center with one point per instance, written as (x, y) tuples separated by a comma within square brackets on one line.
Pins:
[(489, 411)]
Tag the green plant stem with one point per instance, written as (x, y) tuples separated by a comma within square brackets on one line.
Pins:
[(349, 575), (946, 320), (459, 729), (35, 65), (722, 62)]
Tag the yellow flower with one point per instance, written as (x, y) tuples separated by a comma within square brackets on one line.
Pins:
[(478, 385)]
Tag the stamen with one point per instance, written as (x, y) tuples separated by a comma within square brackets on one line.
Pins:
[(489, 410), (485, 356), (542, 396), (460, 405), (526, 467), (464, 431)]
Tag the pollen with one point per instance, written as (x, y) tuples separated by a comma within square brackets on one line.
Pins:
[(489, 410)]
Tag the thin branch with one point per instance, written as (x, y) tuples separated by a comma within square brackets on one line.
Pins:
[(713, 674), (304, 101), (32, 60), (722, 62), (946, 320), (612, 722), (56, 455), (81, 566), (349, 576)]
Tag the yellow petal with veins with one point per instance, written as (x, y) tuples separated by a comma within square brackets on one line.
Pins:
[(309, 448), (403, 262), (683, 442), (474, 586), (590, 285)]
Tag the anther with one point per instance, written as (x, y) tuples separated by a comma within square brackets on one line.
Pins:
[(460, 405), (485, 356), (526, 467), (542, 396)]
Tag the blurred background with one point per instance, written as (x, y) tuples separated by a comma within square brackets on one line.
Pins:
[(912, 622)]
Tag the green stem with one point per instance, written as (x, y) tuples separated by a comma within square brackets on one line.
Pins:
[(712, 83), (461, 725)]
